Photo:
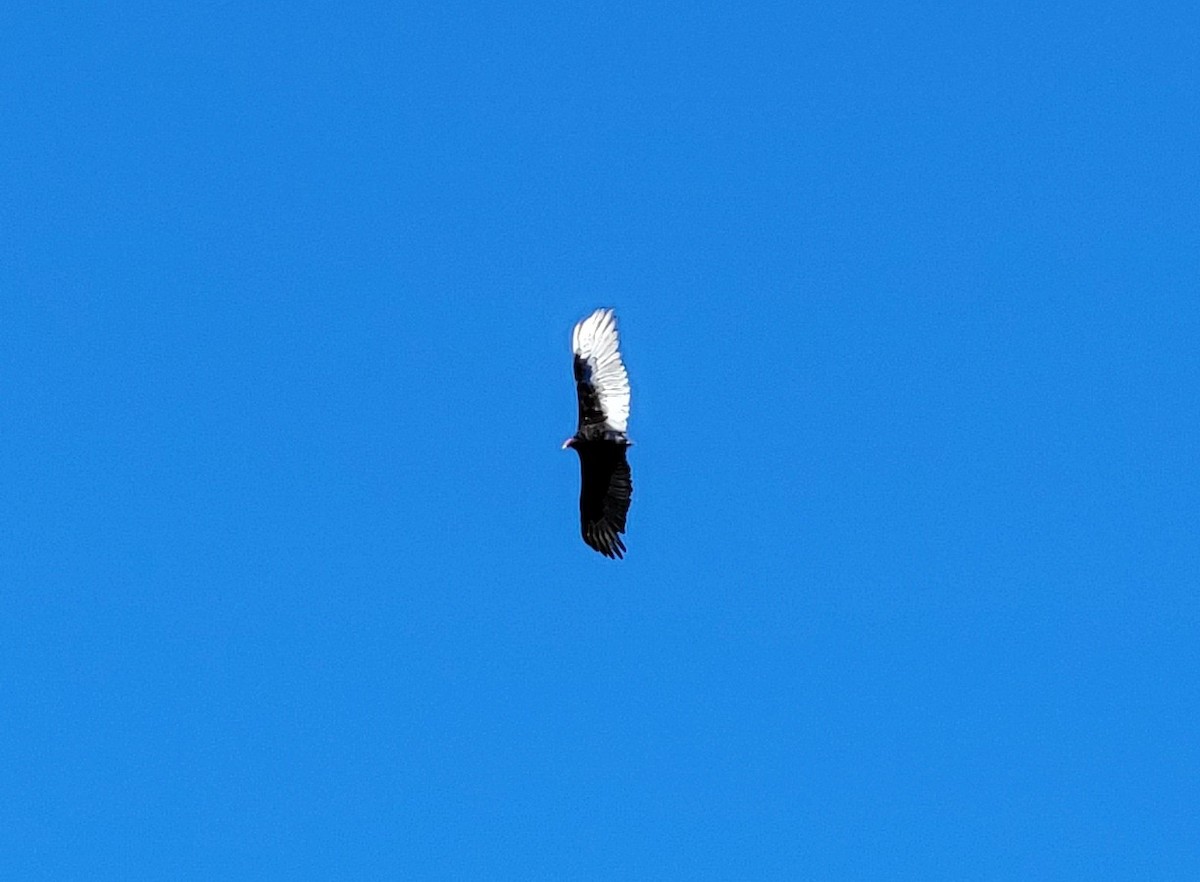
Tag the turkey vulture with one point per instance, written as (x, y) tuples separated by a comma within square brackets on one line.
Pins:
[(603, 389)]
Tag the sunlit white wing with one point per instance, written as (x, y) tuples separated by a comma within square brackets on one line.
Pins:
[(596, 345)]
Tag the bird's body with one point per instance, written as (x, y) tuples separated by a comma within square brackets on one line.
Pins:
[(602, 387)]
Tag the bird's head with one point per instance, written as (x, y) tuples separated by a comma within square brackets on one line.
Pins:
[(570, 442)]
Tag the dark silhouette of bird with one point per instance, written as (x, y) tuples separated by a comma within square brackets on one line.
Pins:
[(600, 440)]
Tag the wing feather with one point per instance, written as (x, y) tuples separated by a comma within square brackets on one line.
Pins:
[(601, 381), (605, 495)]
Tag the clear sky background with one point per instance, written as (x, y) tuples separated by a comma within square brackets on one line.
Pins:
[(290, 572)]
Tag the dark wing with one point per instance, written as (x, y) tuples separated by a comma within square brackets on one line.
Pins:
[(604, 496), (590, 412), (600, 378)]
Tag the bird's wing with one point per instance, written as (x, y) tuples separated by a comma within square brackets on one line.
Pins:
[(600, 379), (604, 497)]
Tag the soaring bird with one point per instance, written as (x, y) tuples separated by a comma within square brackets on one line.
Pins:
[(600, 440)]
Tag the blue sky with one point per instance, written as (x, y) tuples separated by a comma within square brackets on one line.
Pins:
[(291, 577)]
